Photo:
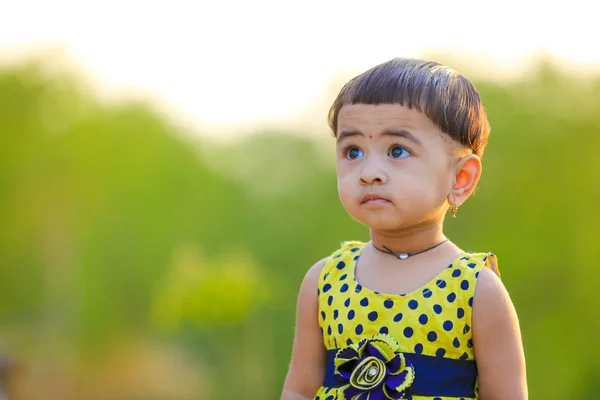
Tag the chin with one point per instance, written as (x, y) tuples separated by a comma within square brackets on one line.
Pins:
[(379, 221)]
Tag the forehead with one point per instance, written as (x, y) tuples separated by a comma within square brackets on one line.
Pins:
[(370, 119)]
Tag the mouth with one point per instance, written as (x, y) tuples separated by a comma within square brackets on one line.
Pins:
[(372, 198)]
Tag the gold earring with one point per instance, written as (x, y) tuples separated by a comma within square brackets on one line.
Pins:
[(453, 210)]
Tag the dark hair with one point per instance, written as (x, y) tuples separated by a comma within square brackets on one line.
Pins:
[(445, 96)]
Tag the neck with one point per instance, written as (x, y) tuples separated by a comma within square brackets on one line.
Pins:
[(410, 240)]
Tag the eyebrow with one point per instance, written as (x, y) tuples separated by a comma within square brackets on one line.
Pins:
[(395, 133)]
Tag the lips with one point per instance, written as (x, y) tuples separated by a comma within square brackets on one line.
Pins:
[(372, 198)]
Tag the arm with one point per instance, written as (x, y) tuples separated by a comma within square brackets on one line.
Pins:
[(307, 367), (497, 341)]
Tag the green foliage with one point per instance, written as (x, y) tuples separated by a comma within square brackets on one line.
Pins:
[(115, 228)]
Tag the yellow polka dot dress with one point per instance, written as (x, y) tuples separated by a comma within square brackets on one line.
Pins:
[(415, 345)]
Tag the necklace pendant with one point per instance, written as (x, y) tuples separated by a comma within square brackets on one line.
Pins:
[(402, 256)]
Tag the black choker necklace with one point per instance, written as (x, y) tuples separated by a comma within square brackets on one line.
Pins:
[(404, 256)]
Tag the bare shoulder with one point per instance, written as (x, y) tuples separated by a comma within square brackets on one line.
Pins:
[(490, 292), (307, 366), (314, 272), (497, 341)]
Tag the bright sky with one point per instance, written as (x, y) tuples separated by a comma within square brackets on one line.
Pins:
[(223, 65)]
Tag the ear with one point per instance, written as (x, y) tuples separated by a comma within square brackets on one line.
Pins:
[(467, 173)]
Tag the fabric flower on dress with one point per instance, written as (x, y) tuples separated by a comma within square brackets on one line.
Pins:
[(374, 369)]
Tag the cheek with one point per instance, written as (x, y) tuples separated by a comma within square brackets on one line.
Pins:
[(347, 188), (422, 190), (343, 185)]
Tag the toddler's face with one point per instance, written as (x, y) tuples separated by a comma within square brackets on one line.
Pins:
[(395, 169)]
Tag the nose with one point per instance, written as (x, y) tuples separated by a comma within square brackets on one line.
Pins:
[(372, 172)]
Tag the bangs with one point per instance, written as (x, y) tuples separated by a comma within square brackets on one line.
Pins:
[(446, 97)]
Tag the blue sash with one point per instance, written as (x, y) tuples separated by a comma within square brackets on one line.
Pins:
[(434, 376)]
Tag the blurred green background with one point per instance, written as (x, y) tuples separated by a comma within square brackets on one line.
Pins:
[(138, 261)]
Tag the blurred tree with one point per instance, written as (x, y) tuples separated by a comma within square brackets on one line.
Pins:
[(125, 243)]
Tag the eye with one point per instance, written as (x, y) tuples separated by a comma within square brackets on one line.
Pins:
[(398, 152), (353, 153)]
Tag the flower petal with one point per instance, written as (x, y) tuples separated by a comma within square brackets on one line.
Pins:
[(345, 361), (360, 375), (350, 392), (393, 394), (360, 347), (346, 354), (401, 381), (394, 366), (377, 395), (381, 350), (388, 339)]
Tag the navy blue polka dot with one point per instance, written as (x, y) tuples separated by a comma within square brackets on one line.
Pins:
[(355, 258), (464, 258), (340, 265), (340, 328), (427, 293), (464, 356), (357, 289), (398, 317), (432, 336), (373, 316), (464, 285), (333, 398), (440, 352), (388, 303), (418, 348), (437, 309), (423, 319), (448, 325), (451, 297), (325, 277), (441, 283), (364, 302), (349, 342), (326, 287), (351, 315), (408, 331), (344, 288), (323, 315), (330, 300), (343, 277), (328, 329), (335, 314), (470, 343), (318, 291), (354, 249), (322, 333), (456, 273), (456, 343), (471, 302), (471, 265), (466, 329), (359, 329), (384, 330), (460, 312), (413, 304), (318, 398), (435, 398), (347, 302)]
